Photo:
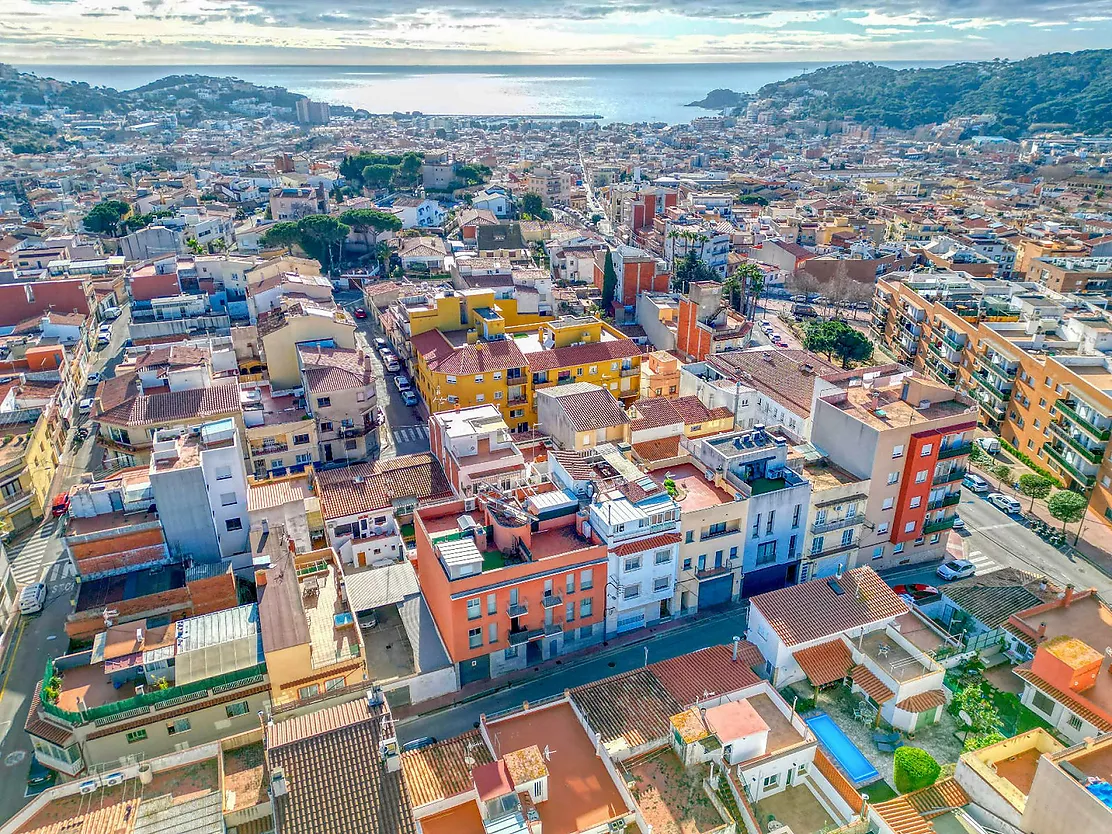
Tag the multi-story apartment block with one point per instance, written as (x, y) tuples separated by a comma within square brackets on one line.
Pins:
[(295, 203), (1073, 275), (754, 464), (300, 322), (553, 187), (340, 396), (637, 271), (510, 581), (281, 438), (584, 349), (910, 437), (476, 451), (836, 521), (1035, 362)]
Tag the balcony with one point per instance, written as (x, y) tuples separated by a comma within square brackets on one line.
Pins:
[(935, 526), (1067, 408), (837, 524), (525, 635), (518, 399), (717, 534), (940, 353), (955, 474), (518, 610), (983, 380), (955, 451), (995, 368), (1094, 456), (269, 449), (1070, 468), (630, 371), (946, 501), (552, 601), (952, 342)]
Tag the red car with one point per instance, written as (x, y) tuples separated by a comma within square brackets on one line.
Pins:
[(916, 591), (61, 505), (360, 313)]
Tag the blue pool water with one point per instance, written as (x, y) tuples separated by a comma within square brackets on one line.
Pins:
[(838, 745), (1102, 791)]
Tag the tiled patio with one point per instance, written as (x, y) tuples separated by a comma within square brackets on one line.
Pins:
[(796, 807)]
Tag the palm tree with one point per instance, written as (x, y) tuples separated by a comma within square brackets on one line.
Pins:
[(732, 290)]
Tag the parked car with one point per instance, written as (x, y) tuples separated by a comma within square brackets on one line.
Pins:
[(975, 483), (111, 313), (958, 523), (918, 590), (32, 598), (409, 398), (989, 444), (392, 364), (418, 743), (39, 777), (1005, 502), (957, 569), (401, 382), (804, 311), (93, 378), (381, 345), (61, 504), (360, 313), (85, 406), (799, 299)]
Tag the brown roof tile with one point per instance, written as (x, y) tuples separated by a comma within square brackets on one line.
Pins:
[(874, 687), (441, 770), (659, 449), (630, 709), (482, 357), (375, 486), (589, 409), (813, 610), (825, 663), (138, 409), (335, 369), (922, 702), (592, 353), (662, 540), (786, 375), (711, 669)]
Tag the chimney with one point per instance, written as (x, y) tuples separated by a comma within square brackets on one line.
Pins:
[(874, 403), (1067, 597), (260, 578), (737, 642), (1041, 633)]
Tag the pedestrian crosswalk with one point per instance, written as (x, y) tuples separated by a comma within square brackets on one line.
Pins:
[(983, 563), (410, 434), (30, 555)]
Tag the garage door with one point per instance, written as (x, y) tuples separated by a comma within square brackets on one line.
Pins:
[(716, 591), (474, 670), (628, 622)]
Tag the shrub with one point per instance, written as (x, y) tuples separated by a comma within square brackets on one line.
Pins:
[(914, 768), (1032, 464)]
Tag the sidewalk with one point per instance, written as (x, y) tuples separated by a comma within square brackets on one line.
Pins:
[(1095, 544), (480, 689)]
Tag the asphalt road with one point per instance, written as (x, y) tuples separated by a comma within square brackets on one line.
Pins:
[(994, 540), (577, 671)]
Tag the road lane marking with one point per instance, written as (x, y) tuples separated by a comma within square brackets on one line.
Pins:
[(14, 654)]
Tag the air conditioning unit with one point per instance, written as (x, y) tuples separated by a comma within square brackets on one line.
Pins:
[(140, 689), (113, 779), (89, 786), (469, 504)]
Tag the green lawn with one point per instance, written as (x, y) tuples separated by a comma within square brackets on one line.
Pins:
[(879, 791), (763, 485), (492, 560), (1015, 717)]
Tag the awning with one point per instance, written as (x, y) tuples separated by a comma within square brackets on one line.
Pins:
[(923, 702), (825, 663), (377, 587), (872, 685)]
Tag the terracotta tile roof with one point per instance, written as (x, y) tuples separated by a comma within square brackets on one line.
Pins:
[(825, 663), (576, 464), (711, 669), (588, 408), (663, 540), (691, 410), (813, 610), (44, 729), (654, 413), (441, 770), (589, 354), (335, 369), (788, 376), (627, 710), (276, 493), (337, 781), (874, 687), (838, 781), (173, 356), (922, 702), (137, 409), (910, 813), (899, 815), (660, 449), (375, 486), (479, 358), (1064, 698)]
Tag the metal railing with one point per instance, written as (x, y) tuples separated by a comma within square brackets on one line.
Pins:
[(935, 526), (846, 521), (1063, 461), (1066, 407), (1094, 456), (949, 477), (955, 451)]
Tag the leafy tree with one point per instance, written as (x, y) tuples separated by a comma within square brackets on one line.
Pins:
[(914, 768), (743, 287), (818, 337), (284, 234), (1002, 473), (408, 173), (691, 268), (1068, 506), (850, 345), (984, 718), (194, 246), (363, 220), (533, 206), (596, 217), (322, 236), (377, 175), (732, 291), (609, 283), (104, 218), (1035, 486)]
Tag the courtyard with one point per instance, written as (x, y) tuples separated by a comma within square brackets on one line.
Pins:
[(671, 798), (796, 807)]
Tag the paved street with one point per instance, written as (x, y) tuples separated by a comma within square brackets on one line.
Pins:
[(459, 719), (993, 540)]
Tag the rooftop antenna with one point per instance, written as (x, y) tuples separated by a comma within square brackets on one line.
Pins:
[(548, 753)]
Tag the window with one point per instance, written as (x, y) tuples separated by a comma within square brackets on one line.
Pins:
[(663, 557), (1042, 402), (333, 683), (899, 548), (234, 710), (613, 366), (795, 515), (771, 519), (909, 526), (300, 439), (847, 538), (733, 552), (632, 563), (1043, 704), (223, 473), (757, 525), (687, 563), (593, 370), (915, 502), (632, 591), (474, 609), (136, 736), (897, 451), (893, 477), (882, 528), (772, 781), (178, 726), (569, 612), (926, 451), (510, 653), (234, 524), (690, 537), (887, 505), (480, 398), (325, 425), (227, 499), (478, 378), (1074, 722), (766, 553), (585, 606), (662, 583), (451, 380), (586, 580), (816, 544), (497, 374), (878, 551), (921, 476), (936, 538), (497, 395), (492, 632), (309, 691), (324, 402), (474, 638)]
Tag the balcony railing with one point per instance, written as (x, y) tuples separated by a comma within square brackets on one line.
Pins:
[(952, 342), (949, 477), (630, 371), (994, 368), (940, 354), (946, 501), (837, 524), (1094, 456), (1067, 408), (552, 600), (1071, 469), (955, 451), (983, 381), (519, 637), (270, 449), (717, 534), (518, 610), (935, 526)]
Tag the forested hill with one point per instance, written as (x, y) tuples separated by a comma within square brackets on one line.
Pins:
[(1067, 91)]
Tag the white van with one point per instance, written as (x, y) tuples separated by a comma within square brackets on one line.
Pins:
[(989, 444), (32, 598)]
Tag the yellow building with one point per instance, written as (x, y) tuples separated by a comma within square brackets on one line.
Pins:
[(281, 437), (20, 507), (44, 450), (297, 323), (583, 349)]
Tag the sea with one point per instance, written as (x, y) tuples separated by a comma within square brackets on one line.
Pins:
[(627, 93)]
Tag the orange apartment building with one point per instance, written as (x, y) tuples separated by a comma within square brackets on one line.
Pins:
[(1036, 364), (510, 583), (706, 325), (660, 375), (638, 271)]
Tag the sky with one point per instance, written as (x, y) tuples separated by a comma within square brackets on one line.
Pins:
[(454, 32)]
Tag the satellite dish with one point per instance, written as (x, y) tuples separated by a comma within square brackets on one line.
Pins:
[(469, 761), (964, 716)]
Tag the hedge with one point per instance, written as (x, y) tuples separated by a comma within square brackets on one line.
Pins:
[(1033, 465), (913, 769)]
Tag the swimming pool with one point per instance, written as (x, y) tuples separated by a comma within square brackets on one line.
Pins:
[(845, 752), (1102, 791)]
